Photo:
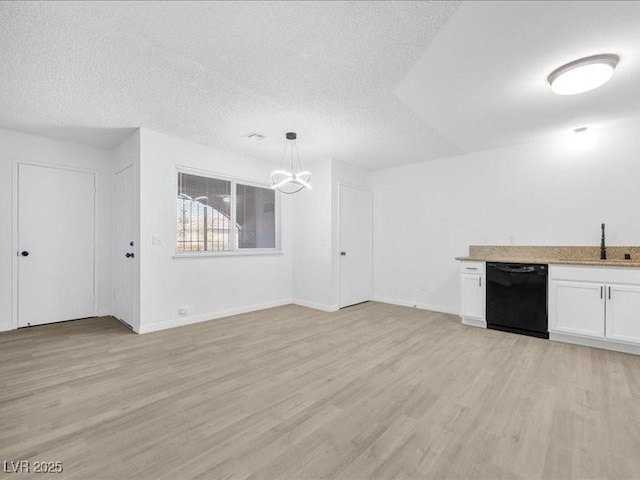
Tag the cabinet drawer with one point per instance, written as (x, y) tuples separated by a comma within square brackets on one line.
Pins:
[(472, 267)]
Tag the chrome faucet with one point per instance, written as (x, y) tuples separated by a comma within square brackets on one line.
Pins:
[(603, 248)]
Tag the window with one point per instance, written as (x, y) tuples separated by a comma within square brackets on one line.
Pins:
[(255, 214), (216, 215)]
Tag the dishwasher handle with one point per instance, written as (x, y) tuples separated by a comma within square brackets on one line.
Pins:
[(513, 269)]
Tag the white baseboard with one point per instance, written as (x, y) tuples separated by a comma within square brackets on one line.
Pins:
[(316, 306), (154, 327), (595, 342), (421, 306), (474, 322)]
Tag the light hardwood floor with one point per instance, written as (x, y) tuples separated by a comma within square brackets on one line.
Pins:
[(372, 391)]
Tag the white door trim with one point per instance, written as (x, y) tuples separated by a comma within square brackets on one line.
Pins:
[(14, 231), (337, 253)]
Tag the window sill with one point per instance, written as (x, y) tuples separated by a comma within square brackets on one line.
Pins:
[(178, 256)]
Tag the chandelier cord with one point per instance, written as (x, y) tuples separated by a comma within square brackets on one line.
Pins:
[(291, 142), (284, 152), (295, 144)]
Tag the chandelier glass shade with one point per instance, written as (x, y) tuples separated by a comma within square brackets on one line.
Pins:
[(289, 178)]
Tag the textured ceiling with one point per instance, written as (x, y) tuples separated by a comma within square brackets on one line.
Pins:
[(483, 81), (213, 72), (370, 83)]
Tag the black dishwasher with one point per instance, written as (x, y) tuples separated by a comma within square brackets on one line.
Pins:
[(517, 298)]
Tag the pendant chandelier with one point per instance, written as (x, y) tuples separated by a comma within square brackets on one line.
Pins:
[(292, 180)]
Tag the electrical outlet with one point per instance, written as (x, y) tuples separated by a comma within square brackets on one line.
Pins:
[(183, 311), (511, 238), (156, 241)]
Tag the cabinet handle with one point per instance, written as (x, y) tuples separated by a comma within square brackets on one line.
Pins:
[(600, 292), (480, 281), (609, 293)]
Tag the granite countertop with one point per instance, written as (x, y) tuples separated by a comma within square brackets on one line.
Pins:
[(602, 263), (565, 255)]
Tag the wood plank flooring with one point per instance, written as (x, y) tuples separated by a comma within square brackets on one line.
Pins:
[(371, 392)]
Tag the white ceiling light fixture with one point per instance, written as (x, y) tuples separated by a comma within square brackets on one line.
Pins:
[(583, 75), (295, 179)]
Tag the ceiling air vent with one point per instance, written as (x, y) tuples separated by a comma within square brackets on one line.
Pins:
[(255, 136)]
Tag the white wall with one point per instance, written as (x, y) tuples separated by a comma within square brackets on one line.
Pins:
[(555, 192), (209, 287), (313, 282), (127, 153), (20, 147), (315, 236)]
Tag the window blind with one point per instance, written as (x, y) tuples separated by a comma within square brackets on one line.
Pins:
[(255, 217)]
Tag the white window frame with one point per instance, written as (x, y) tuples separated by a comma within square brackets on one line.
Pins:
[(232, 234)]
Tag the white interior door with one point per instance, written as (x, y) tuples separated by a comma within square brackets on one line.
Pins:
[(124, 253), (356, 245), (56, 245)]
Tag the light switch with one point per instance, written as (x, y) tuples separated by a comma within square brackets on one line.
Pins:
[(156, 241)]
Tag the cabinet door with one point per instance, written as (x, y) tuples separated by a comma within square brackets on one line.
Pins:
[(623, 313), (472, 301), (577, 307)]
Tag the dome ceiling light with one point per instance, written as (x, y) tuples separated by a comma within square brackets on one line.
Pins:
[(583, 75)]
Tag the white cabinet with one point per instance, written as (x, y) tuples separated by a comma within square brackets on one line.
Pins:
[(472, 293), (577, 307), (472, 296), (600, 303), (623, 312)]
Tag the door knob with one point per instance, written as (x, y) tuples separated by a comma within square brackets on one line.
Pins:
[(343, 254), (129, 255), (24, 253)]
